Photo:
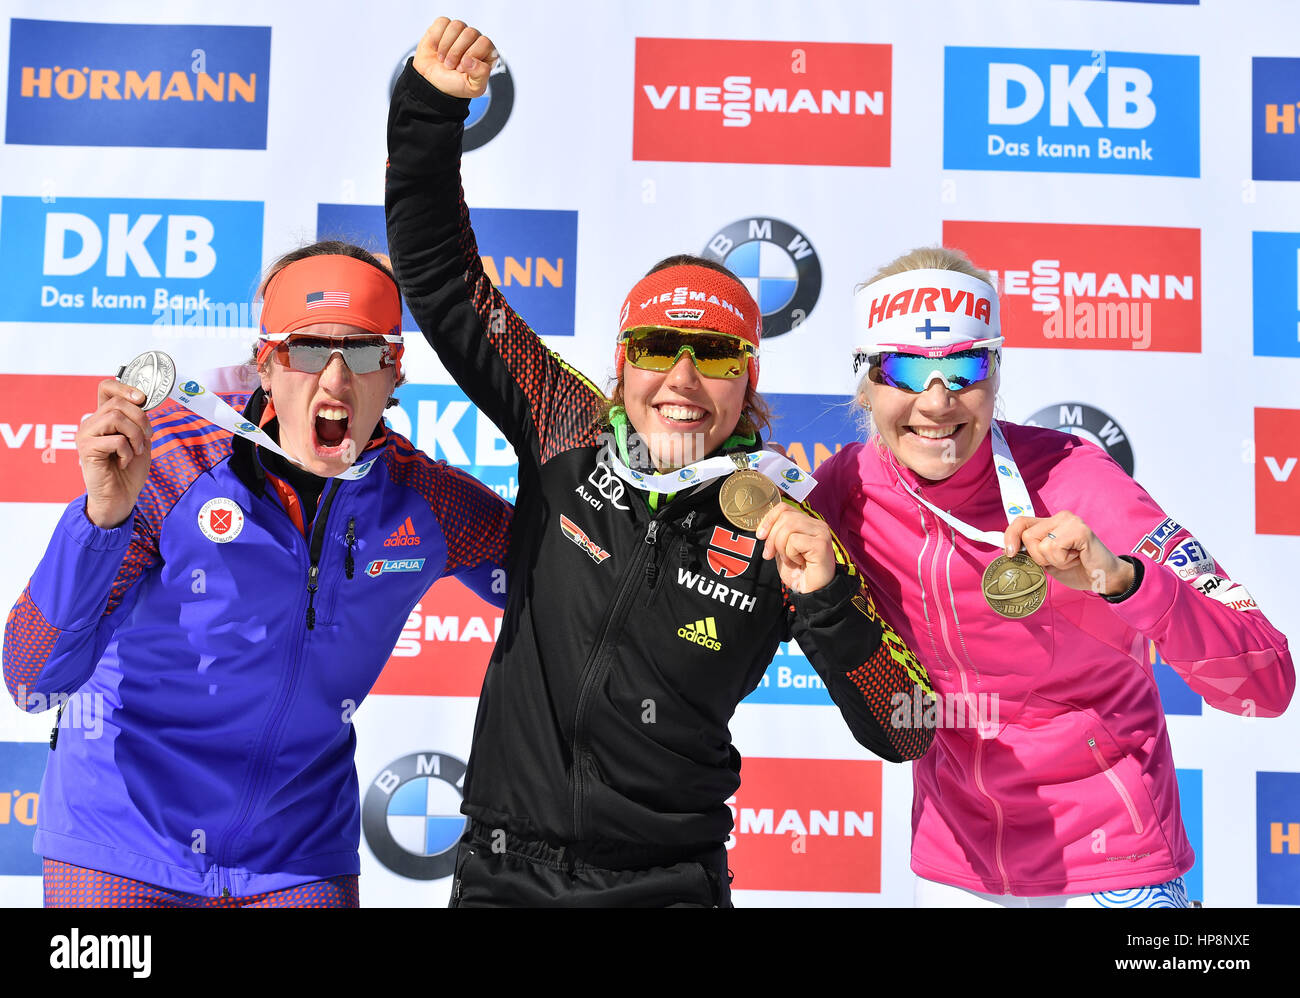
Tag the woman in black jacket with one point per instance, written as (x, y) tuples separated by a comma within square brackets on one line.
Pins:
[(650, 582)]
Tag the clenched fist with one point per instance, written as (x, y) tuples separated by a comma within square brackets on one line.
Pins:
[(455, 58), (113, 448)]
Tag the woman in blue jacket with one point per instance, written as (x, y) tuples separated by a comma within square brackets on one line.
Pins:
[(209, 614)]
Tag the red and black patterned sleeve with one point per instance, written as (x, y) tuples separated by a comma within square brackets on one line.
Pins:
[(869, 672), (85, 585), (475, 521), (542, 405)]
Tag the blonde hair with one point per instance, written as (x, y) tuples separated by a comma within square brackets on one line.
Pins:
[(930, 258)]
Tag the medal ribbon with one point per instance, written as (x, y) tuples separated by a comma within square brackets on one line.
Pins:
[(193, 396), (784, 473), (1015, 494)]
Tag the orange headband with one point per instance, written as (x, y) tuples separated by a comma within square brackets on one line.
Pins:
[(689, 296), (322, 289)]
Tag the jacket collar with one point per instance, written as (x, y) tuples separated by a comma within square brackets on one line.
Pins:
[(244, 461)]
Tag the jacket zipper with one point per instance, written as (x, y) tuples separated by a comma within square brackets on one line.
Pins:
[(597, 665), (1117, 784), (966, 695), (259, 763)]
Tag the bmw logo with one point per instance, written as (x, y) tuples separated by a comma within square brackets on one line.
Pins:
[(411, 815), (776, 263), (1090, 423), (487, 114)]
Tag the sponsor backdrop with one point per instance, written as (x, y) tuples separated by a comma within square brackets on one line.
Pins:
[(1129, 170)]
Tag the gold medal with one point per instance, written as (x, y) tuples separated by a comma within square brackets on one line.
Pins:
[(745, 498), (1015, 587)]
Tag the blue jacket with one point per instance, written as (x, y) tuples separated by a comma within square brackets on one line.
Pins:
[(207, 744)]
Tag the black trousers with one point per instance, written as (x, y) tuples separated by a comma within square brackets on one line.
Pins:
[(495, 869)]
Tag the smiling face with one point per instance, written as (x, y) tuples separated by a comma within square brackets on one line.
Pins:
[(327, 418), (933, 432), (681, 415)]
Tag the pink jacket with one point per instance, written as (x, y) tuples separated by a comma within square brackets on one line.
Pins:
[(1069, 786)]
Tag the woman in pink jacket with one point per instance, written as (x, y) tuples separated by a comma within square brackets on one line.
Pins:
[(1027, 570)]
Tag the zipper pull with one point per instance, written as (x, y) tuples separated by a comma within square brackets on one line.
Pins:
[(651, 532), (54, 731), (312, 574), (690, 518), (651, 568), (348, 564)]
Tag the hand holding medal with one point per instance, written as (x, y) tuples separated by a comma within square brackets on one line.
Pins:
[(801, 545), (1067, 549), (113, 448)]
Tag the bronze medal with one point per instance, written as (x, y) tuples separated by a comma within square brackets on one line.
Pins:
[(745, 498), (1015, 587)]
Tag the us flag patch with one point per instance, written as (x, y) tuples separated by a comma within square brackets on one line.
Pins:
[(328, 299)]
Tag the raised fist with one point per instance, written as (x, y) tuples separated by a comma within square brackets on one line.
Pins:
[(455, 58)]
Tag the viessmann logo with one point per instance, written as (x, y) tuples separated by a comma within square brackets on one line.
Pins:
[(39, 417), (806, 825), (1071, 111), (708, 101), (196, 86), (1101, 287)]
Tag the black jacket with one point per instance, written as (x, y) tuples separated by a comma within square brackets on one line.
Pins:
[(603, 723)]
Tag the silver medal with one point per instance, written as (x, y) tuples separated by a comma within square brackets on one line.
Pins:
[(154, 373)]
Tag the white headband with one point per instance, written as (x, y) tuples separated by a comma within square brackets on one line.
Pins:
[(928, 312)]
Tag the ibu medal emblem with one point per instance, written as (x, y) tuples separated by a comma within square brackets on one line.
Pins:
[(154, 373), (1015, 587), (745, 498)]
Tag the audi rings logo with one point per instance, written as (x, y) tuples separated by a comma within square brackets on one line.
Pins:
[(608, 484), (778, 266), (487, 114), (411, 815), (1090, 423)]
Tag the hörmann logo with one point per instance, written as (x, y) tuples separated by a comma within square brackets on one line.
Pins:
[(707, 101), (1068, 111), (125, 260), (530, 254), (195, 86), (1275, 118), (1099, 287), (1276, 269), (1277, 836)]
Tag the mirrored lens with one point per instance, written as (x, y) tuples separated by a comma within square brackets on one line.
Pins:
[(914, 374), (311, 355), (715, 355)]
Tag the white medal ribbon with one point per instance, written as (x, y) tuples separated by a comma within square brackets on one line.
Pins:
[(195, 397), (783, 473), (1015, 494)]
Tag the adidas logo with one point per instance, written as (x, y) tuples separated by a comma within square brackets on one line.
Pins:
[(403, 536), (702, 632)]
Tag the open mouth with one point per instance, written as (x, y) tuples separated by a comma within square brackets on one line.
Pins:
[(330, 430)]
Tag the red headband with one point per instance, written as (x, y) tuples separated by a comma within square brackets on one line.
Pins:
[(323, 289), (689, 296)]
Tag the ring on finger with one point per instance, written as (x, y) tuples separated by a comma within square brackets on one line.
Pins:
[(1051, 535)]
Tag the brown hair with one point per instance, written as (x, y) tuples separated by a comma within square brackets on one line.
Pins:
[(755, 413)]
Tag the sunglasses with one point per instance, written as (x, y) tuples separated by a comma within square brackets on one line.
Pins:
[(715, 355), (363, 355), (913, 373)]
